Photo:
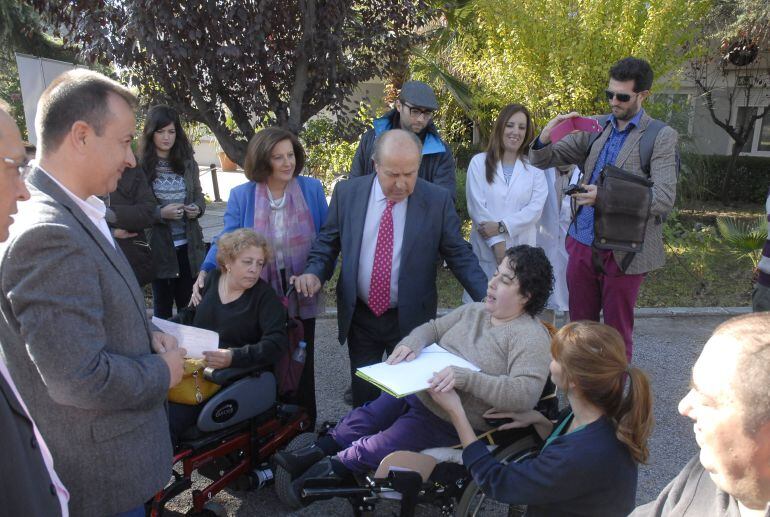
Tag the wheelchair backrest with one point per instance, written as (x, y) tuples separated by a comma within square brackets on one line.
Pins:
[(243, 399)]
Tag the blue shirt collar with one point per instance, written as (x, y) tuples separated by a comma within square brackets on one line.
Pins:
[(634, 122)]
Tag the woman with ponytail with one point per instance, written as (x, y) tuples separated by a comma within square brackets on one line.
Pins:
[(588, 465)]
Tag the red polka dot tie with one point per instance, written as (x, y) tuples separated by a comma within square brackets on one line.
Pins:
[(379, 288)]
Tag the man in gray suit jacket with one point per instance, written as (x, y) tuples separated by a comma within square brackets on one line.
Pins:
[(30, 484), (596, 279), (422, 224), (74, 329)]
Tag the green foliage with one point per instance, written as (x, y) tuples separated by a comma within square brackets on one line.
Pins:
[(701, 178), (743, 238), (10, 89), (461, 204), (553, 56), (697, 272), (331, 144)]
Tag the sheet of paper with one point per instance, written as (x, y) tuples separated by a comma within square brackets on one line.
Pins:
[(192, 339), (410, 377)]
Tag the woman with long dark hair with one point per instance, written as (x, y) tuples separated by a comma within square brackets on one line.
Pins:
[(505, 193), (588, 465), (176, 238), (288, 209)]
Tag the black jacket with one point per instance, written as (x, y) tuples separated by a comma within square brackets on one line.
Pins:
[(133, 208), (27, 487)]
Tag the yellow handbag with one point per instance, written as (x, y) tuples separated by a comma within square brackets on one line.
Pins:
[(193, 389)]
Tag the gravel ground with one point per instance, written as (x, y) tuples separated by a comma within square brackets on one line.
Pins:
[(666, 347)]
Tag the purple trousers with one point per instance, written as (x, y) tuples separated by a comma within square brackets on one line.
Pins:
[(612, 291), (387, 424)]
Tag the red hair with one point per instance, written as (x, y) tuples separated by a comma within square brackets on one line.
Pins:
[(593, 358)]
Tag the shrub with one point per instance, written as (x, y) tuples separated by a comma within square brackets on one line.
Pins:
[(461, 205), (329, 154), (701, 178)]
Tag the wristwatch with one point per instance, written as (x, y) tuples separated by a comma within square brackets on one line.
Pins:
[(500, 227)]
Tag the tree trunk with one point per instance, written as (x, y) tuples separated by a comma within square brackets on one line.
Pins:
[(726, 179)]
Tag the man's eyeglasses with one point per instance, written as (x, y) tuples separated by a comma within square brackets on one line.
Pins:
[(23, 167), (418, 112), (622, 97)]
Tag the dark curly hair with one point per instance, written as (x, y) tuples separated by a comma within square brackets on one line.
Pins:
[(632, 68), (534, 273)]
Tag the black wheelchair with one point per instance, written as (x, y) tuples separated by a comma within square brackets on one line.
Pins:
[(434, 477), (237, 431)]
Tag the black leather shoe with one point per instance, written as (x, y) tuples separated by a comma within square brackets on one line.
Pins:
[(297, 462), (320, 474)]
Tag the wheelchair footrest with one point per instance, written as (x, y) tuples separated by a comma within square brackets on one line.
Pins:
[(329, 492)]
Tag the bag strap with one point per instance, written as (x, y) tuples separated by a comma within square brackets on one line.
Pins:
[(603, 121), (646, 142)]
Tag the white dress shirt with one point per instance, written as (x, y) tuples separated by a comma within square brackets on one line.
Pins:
[(374, 210), (61, 492), (93, 207)]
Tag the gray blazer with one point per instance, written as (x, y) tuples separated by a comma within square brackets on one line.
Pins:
[(663, 170), (431, 231), (76, 338)]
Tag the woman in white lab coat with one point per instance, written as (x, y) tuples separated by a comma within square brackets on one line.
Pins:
[(505, 193)]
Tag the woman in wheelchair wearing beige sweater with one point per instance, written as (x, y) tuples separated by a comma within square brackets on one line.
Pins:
[(501, 336)]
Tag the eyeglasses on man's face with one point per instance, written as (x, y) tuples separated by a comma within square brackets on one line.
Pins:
[(418, 112), (622, 97), (23, 167)]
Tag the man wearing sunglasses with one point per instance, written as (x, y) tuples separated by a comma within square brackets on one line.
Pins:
[(601, 280), (413, 112)]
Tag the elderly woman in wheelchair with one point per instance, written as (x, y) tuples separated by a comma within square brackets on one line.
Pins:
[(230, 437), (243, 309), (588, 465), (501, 336)]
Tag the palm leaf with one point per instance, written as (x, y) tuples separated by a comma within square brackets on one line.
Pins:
[(745, 238)]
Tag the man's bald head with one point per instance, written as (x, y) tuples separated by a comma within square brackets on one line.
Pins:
[(750, 334), (5, 116), (396, 141), (397, 155)]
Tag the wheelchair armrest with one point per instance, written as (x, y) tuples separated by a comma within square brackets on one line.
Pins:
[(224, 376)]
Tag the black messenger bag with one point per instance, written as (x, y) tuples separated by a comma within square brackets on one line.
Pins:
[(620, 218)]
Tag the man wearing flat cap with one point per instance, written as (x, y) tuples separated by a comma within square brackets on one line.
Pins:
[(413, 111)]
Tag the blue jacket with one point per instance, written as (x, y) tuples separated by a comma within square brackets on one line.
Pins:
[(587, 472), (240, 210), (437, 165)]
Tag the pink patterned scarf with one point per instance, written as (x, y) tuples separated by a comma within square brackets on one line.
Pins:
[(294, 241)]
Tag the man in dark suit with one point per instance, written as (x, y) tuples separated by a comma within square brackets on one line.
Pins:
[(73, 324), (30, 483), (391, 228)]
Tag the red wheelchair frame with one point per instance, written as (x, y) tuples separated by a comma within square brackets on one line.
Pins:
[(251, 442)]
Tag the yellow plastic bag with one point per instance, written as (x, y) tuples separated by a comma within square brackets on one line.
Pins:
[(193, 389)]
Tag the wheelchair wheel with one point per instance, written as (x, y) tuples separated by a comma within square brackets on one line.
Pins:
[(283, 479), (474, 502)]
